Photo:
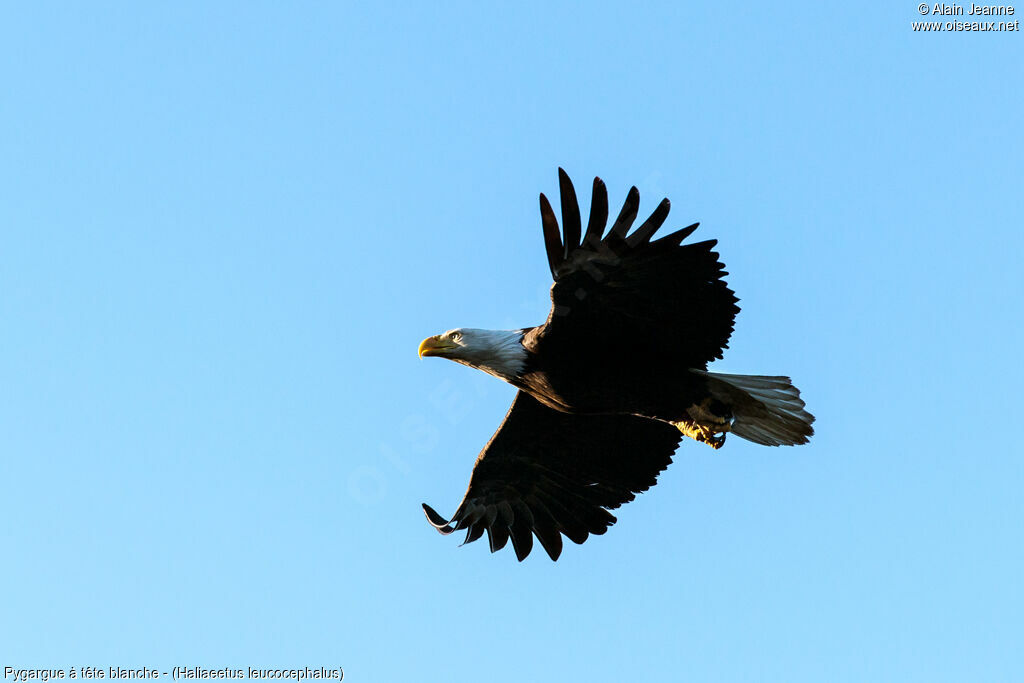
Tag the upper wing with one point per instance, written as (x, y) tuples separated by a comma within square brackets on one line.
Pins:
[(620, 286), (549, 473)]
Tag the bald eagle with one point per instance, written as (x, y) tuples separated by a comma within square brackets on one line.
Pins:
[(611, 382)]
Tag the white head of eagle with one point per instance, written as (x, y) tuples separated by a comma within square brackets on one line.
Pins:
[(497, 352)]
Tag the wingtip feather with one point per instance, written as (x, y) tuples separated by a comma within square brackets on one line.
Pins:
[(552, 239), (437, 521), (571, 222)]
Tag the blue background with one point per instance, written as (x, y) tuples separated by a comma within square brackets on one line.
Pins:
[(226, 227)]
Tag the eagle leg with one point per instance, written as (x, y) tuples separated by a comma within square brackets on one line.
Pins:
[(698, 432), (706, 423)]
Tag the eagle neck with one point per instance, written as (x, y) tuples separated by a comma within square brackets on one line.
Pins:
[(501, 354)]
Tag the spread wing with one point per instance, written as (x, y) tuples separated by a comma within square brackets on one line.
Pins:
[(547, 473), (615, 286)]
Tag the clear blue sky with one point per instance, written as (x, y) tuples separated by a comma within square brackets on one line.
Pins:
[(226, 227)]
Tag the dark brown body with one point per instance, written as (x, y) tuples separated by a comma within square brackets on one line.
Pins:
[(587, 381)]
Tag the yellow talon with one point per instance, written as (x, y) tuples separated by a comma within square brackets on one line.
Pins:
[(701, 433)]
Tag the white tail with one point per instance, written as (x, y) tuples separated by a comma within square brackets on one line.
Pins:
[(766, 410)]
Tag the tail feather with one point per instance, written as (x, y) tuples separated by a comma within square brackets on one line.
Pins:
[(766, 410)]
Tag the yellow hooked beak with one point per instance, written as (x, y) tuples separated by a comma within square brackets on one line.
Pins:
[(435, 346)]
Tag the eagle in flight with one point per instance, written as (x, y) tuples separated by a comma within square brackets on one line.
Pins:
[(611, 381)]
